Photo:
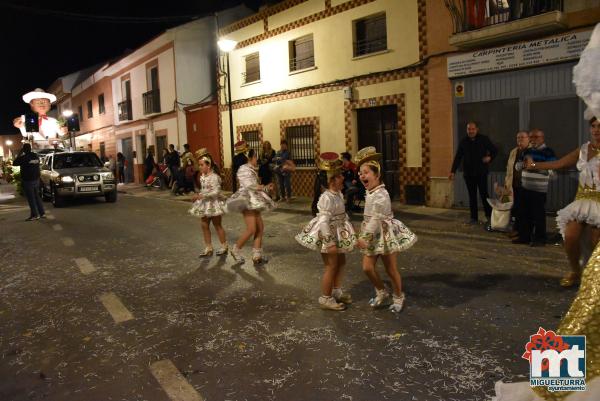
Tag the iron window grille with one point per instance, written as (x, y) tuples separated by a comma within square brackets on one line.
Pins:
[(90, 110), (302, 53), (124, 110), (151, 101), (80, 111), (252, 138), (370, 35), (252, 72), (301, 143)]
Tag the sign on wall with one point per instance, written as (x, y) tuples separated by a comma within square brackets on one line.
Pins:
[(519, 55)]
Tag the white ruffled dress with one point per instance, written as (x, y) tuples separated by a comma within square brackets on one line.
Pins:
[(384, 234), (248, 196), (330, 227), (585, 209), (212, 203)]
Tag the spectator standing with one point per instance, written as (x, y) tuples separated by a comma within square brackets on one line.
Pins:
[(173, 163), (148, 164), (352, 189), (29, 163), (532, 229), (476, 152), (265, 171), (513, 177), (121, 167), (284, 175)]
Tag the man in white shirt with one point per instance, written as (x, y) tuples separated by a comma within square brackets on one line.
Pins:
[(49, 127)]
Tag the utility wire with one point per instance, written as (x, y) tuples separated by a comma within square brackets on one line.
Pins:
[(101, 18)]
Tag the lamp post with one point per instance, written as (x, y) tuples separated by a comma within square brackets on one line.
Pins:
[(227, 46), (72, 126), (9, 144)]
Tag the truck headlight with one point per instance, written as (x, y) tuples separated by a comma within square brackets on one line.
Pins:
[(108, 176), (66, 179)]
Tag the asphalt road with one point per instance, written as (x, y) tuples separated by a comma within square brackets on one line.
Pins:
[(111, 302)]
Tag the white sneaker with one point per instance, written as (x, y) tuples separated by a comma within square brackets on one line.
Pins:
[(208, 251), (236, 254), (329, 303), (223, 250), (398, 303), (382, 298), (341, 296), (257, 257)]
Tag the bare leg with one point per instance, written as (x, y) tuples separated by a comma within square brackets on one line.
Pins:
[(368, 266), (219, 228), (341, 263), (330, 260), (572, 237), (260, 230), (250, 220), (206, 231), (595, 233), (391, 267)]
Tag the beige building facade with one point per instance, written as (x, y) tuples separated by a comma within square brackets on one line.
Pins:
[(333, 76)]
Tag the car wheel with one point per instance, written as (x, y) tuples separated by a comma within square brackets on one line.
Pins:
[(111, 197), (57, 200)]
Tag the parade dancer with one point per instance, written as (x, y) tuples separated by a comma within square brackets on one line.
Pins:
[(209, 204), (250, 199), (381, 236), (330, 232)]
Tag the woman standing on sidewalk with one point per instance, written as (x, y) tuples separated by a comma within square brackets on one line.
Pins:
[(250, 199), (331, 232), (381, 235), (209, 204)]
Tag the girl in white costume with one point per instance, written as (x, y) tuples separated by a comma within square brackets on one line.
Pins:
[(250, 199), (330, 233), (381, 235), (209, 204)]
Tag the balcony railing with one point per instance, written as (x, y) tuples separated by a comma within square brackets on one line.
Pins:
[(301, 63), (125, 110), (151, 101), (469, 15), (372, 45)]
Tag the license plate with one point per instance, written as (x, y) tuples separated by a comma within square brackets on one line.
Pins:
[(88, 189)]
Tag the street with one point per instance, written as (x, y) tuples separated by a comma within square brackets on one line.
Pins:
[(99, 299)]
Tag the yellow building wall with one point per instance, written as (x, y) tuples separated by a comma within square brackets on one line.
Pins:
[(294, 13), (329, 108), (333, 49)]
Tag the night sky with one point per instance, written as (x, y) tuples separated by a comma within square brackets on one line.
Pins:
[(41, 41)]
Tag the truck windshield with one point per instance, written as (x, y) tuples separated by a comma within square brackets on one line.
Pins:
[(76, 160)]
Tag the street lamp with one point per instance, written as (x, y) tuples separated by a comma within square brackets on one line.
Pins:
[(226, 46), (9, 144), (72, 126)]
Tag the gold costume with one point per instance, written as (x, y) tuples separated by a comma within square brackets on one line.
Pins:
[(583, 318)]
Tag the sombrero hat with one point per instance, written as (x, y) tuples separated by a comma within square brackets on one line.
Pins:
[(240, 147), (366, 155), (331, 163), (38, 93)]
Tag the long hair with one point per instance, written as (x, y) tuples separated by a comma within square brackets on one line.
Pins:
[(321, 184)]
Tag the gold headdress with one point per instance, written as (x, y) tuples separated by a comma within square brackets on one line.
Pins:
[(240, 147), (331, 163), (202, 154), (368, 156)]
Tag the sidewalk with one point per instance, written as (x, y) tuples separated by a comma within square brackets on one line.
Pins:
[(301, 205)]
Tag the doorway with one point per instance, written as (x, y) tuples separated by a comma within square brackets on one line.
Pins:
[(378, 127), (161, 143), (127, 148)]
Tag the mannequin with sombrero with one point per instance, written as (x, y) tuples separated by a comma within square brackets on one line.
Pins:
[(381, 236), (250, 199), (40, 103), (209, 203), (330, 232)]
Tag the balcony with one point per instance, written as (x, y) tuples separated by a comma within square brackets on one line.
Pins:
[(151, 101), (125, 110), (503, 21)]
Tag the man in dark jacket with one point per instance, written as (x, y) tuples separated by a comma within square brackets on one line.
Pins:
[(30, 177), (476, 152)]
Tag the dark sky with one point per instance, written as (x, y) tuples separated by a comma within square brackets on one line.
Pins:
[(41, 41)]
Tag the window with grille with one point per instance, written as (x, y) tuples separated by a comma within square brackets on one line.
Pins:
[(301, 144), (80, 110), (101, 108), (370, 35), (252, 139), (302, 53), (90, 111), (252, 72)]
